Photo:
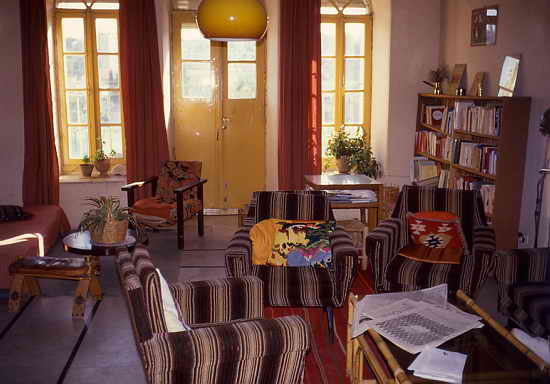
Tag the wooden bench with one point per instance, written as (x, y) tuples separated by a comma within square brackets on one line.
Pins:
[(27, 269)]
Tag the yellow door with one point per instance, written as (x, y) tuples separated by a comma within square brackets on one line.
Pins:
[(219, 100)]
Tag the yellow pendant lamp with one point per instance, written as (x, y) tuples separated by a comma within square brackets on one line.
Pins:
[(225, 20)]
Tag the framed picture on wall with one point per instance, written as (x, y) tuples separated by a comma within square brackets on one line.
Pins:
[(484, 26)]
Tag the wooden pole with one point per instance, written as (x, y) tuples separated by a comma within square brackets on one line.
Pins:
[(396, 369), (504, 332)]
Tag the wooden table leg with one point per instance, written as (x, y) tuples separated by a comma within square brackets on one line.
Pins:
[(15, 293), (80, 297), (373, 219)]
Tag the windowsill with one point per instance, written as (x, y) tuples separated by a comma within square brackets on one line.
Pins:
[(75, 178)]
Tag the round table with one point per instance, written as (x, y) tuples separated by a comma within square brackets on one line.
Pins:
[(80, 242)]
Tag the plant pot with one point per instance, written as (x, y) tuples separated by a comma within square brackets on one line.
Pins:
[(86, 169), (342, 164), (113, 232), (103, 167)]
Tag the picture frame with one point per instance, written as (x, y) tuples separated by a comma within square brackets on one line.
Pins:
[(484, 26), (509, 76)]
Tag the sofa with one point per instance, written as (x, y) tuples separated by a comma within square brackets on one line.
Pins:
[(29, 237), (225, 339)]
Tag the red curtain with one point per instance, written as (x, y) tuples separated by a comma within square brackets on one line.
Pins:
[(41, 169), (300, 92), (144, 124)]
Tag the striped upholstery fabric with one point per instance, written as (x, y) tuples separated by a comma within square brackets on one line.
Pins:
[(295, 286), (523, 277), (396, 273), (224, 345)]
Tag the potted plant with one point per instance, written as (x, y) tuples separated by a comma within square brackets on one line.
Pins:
[(362, 160), (341, 147), (102, 161), (86, 167), (107, 221)]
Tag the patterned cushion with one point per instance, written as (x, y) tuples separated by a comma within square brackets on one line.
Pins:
[(13, 213), (531, 307), (157, 208), (177, 174), (436, 237)]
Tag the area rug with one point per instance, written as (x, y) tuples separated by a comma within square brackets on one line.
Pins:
[(326, 362)]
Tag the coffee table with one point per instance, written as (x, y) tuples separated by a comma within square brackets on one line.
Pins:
[(351, 182), (494, 355)]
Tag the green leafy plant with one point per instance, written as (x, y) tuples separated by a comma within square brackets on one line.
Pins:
[(105, 208), (100, 154), (340, 145), (363, 162), (86, 159), (357, 150)]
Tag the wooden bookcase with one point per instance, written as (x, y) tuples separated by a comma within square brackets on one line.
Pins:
[(510, 146)]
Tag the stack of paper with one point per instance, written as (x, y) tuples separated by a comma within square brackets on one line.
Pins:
[(437, 364)]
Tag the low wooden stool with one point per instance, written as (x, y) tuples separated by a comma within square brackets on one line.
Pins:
[(358, 231), (27, 269)]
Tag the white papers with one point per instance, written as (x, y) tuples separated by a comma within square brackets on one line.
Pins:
[(437, 364), (538, 345)]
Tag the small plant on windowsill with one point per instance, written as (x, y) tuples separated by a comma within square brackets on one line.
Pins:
[(102, 161), (86, 167), (353, 153), (341, 147)]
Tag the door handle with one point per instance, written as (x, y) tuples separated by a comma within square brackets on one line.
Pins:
[(225, 122)]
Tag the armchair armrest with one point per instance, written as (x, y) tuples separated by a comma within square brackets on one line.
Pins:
[(238, 254), (344, 259), (382, 245), (235, 352), (198, 183), (222, 300), (132, 187), (477, 266), (519, 266)]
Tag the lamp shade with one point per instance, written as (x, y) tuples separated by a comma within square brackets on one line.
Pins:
[(225, 20)]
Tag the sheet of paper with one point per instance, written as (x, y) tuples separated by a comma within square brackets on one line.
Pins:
[(440, 365)]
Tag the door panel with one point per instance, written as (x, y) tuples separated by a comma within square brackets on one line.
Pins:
[(219, 120)]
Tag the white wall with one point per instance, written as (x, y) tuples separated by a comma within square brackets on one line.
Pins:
[(11, 105), (523, 28)]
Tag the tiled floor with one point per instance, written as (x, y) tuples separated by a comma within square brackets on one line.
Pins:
[(41, 341)]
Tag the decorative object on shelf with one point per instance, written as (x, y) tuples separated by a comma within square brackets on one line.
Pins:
[(484, 26), (352, 153), (460, 91), (86, 167), (102, 161), (478, 85), (107, 221), (508, 76), (456, 78), (223, 20), (436, 78), (545, 131)]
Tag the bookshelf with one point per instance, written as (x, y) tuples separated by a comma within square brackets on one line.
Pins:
[(478, 143)]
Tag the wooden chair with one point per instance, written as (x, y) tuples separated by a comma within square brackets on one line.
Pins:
[(177, 195)]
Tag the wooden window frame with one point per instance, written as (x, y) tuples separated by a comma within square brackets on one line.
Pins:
[(340, 21), (89, 16)]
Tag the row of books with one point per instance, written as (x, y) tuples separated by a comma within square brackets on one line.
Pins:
[(424, 172), (480, 157), (464, 116)]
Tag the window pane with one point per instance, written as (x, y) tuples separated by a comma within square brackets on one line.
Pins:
[(328, 74), (353, 108), (73, 34), (355, 39), (241, 50), (328, 108), (108, 71), (328, 39), (65, 5), (326, 135), (193, 44), (78, 142), (355, 71), (355, 11), (112, 139), (77, 107), (329, 11), (75, 72), (197, 80), (354, 131), (241, 80), (106, 35), (105, 6), (109, 107)]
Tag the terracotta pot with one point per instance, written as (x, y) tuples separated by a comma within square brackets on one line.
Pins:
[(86, 169), (342, 164), (103, 167)]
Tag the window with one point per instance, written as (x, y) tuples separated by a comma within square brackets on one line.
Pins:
[(346, 51), (88, 72)]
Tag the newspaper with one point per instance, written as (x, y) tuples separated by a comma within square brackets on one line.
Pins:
[(415, 321)]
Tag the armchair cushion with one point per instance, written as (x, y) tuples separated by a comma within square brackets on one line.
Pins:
[(155, 207), (171, 312), (177, 174)]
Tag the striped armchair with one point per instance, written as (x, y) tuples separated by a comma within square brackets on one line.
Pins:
[(228, 341), (523, 277), (295, 286), (396, 273)]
